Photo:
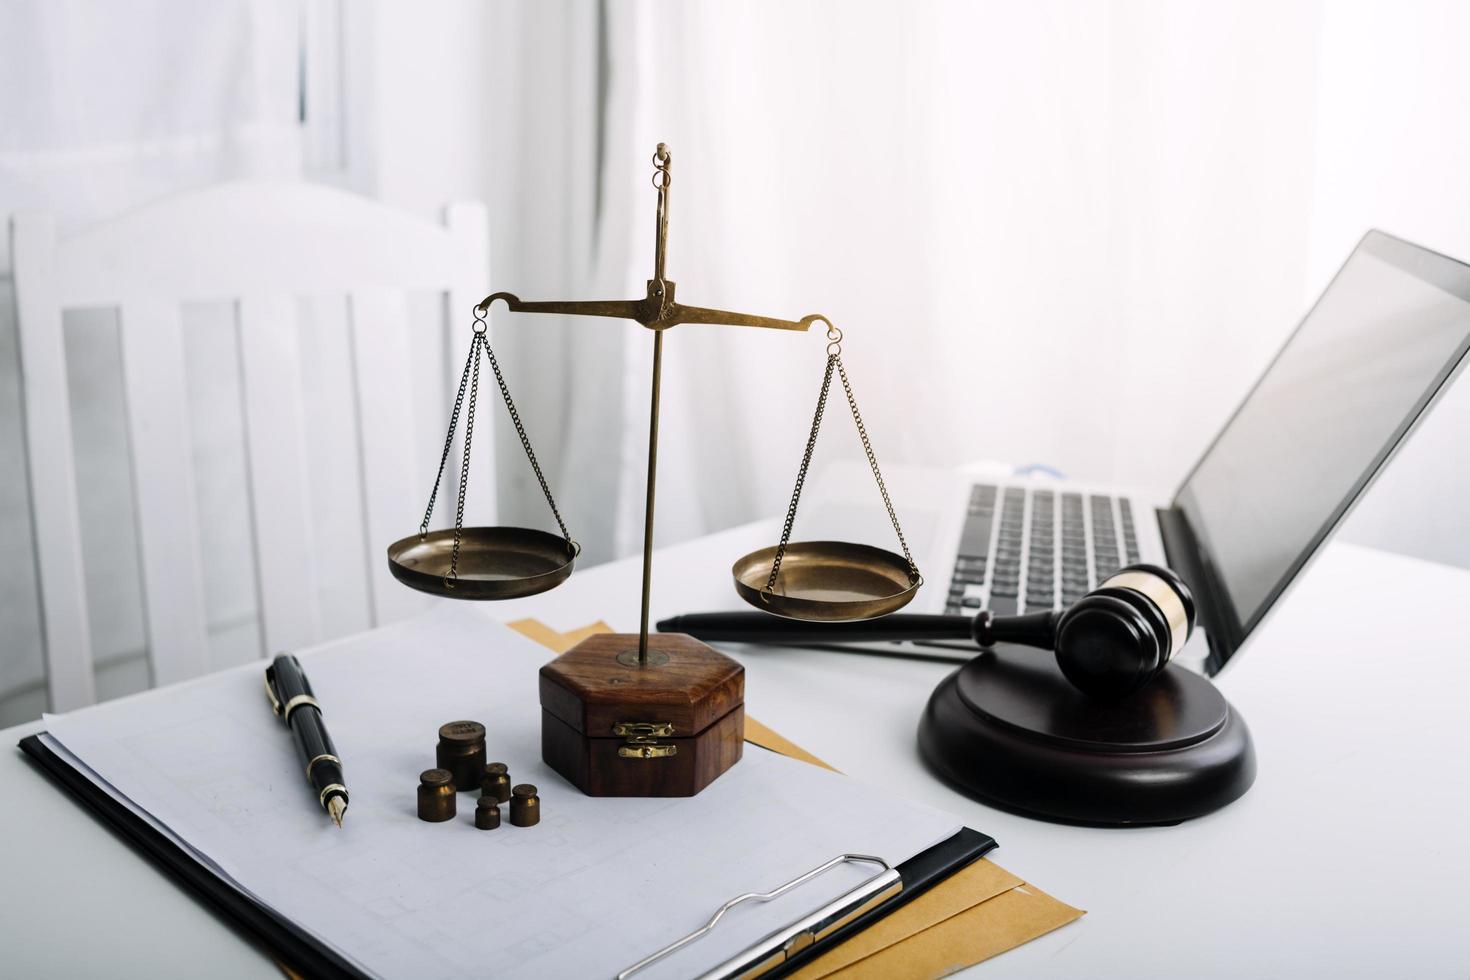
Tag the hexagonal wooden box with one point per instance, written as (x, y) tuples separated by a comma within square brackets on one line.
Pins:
[(616, 729)]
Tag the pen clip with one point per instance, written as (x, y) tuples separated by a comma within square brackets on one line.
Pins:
[(270, 690)]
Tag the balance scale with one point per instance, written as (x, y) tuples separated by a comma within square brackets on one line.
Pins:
[(661, 714)]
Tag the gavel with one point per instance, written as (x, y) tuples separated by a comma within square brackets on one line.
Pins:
[(1108, 644)]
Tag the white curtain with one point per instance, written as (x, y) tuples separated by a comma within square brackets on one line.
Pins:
[(1033, 221), (1058, 232)]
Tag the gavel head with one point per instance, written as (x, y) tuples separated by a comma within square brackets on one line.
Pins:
[(1119, 636)]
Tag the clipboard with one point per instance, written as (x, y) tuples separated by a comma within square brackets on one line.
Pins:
[(790, 948), (302, 953)]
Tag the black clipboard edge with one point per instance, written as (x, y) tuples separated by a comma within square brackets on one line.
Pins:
[(305, 955), (278, 936), (919, 873)]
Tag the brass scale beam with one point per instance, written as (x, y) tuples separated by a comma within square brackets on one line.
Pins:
[(657, 311)]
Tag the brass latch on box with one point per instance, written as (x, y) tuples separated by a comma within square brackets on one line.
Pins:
[(642, 739)]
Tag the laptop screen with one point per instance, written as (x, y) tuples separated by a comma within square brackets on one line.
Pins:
[(1389, 331)]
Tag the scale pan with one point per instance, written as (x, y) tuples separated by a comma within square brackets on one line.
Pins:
[(494, 562), (827, 581)]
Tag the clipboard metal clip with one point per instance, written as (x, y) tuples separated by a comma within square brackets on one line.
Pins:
[(775, 948)]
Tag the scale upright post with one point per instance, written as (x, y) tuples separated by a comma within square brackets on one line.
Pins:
[(663, 176)]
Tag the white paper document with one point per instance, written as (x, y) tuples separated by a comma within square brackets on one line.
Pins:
[(596, 886)]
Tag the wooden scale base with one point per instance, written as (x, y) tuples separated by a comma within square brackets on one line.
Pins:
[(1008, 729), (668, 728)]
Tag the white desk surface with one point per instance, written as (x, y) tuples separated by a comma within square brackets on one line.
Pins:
[(1349, 858)]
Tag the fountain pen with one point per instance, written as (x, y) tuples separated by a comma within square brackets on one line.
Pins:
[(290, 696)]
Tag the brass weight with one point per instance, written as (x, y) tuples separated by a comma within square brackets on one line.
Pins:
[(496, 782), (436, 795), (487, 814), (525, 806), (461, 750)]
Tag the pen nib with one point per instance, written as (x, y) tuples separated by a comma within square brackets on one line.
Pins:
[(336, 808)]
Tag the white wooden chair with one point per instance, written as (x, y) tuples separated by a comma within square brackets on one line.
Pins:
[(259, 245)]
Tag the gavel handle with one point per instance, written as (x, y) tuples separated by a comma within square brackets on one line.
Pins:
[(1034, 629)]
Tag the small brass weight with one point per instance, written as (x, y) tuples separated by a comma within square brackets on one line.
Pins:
[(668, 683)]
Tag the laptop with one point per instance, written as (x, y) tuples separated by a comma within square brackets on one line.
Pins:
[(1381, 344)]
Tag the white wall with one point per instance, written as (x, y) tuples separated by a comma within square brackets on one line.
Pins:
[(1393, 152)]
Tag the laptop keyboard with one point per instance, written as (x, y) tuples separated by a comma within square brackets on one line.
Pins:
[(1029, 550)]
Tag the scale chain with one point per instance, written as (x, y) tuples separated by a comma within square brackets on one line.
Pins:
[(515, 418), (470, 379), (857, 417), (464, 380), (806, 460), (464, 472), (834, 361)]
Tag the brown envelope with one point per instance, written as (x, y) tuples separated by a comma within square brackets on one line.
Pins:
[(977, 912)]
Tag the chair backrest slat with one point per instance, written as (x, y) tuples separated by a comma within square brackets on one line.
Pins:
[(381, 357), (275, 422), (70, 680), (152, 340)]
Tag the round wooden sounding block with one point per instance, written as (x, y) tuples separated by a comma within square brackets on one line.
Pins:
[(1008, 729)]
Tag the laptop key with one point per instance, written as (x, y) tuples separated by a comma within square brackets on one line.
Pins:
[(975, 539)]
